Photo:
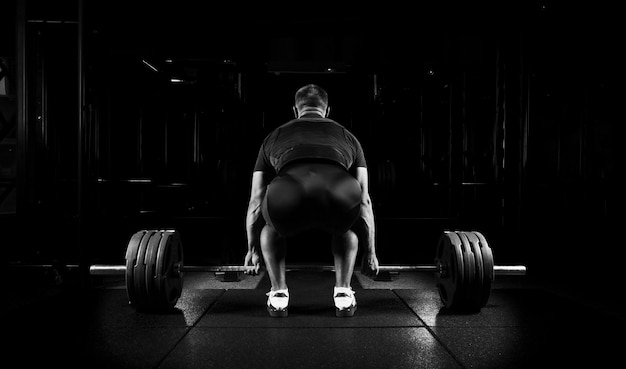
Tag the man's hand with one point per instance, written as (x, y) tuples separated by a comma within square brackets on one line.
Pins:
[(253, 259), (369, 266)]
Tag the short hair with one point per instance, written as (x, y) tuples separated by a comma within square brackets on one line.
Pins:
[(311, 96)]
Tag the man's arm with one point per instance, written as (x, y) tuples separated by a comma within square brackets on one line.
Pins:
[(254, 219), (366, 228)]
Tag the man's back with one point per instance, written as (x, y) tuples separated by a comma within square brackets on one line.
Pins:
[(310, 138)]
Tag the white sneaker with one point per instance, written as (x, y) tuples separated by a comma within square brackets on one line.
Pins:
[(278, 303), (345, 302)]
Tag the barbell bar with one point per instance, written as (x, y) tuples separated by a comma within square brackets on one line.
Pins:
[(154, 269), (113, 270)]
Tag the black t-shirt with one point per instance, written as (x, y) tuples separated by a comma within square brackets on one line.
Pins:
[(309, 138)]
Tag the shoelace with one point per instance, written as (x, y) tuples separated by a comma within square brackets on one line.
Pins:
[(344, 292), (278, 293)]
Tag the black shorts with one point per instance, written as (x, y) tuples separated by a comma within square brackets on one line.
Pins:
[(307, 195)]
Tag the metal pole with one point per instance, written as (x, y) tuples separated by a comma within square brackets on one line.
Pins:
[(22, 114), (80, 161)]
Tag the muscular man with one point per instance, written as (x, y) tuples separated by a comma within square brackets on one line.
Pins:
[(310, 173)]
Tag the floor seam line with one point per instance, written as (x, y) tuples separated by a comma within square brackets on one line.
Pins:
[(432, 332), (188, 329)]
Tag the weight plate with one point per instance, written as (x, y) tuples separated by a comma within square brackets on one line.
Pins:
[(131, 260), (488, 263), (161, 268), (469, 268), (169, 271), (150, 269), (476, 298), (449, 261), (139, 272)]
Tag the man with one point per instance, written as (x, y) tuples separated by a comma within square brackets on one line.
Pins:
[(310, 173)]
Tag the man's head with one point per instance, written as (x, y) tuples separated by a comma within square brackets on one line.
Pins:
[(311, 99)]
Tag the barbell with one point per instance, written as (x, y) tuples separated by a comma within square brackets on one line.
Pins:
[(154, 270)]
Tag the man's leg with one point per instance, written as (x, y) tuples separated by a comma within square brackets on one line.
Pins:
[(345, 247), (274, 253)]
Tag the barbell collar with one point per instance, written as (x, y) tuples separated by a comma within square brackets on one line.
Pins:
[(509, 269), (107, 270)]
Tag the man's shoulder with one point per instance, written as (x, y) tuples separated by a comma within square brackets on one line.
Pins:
[(289, 123)]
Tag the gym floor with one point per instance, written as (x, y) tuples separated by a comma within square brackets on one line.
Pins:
[(398, 324)]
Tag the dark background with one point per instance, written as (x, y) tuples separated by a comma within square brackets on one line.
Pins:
[(499, 118)]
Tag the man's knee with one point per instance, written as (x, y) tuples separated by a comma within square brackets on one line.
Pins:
[(269, 237), (346, 240)]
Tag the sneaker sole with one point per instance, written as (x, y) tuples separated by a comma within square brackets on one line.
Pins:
[(277, 313), (343, 313)]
